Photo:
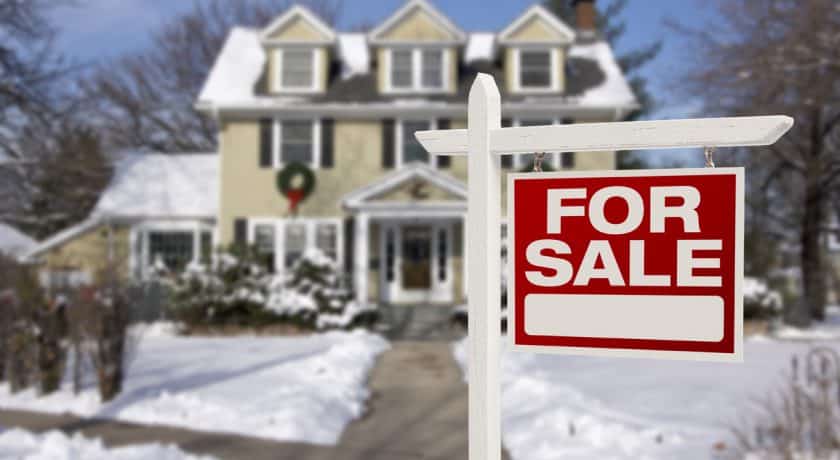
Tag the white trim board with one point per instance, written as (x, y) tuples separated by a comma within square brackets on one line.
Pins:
[(444, 23), (540, 12), (358, 197), (292, 13)]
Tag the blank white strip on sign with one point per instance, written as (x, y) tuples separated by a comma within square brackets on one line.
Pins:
[(653, 317)]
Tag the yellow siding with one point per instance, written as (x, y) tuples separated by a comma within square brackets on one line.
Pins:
[(250, 191), (458, 165), (417, 26), (453, 69), (560, 56), (382, 68), (89, 252), (595, 160), (534, 30), (510, 69), (416, 190), (298, 30)]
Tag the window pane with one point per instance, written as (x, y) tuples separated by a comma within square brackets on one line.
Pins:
[(297, 69), (412, 150), (173, 249), (326, 239), (295, 243), (401, 68), (432, 68), (535, 69), (296, 143), (264, 244)]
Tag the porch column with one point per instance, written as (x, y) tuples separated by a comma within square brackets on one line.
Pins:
[(360, 257)]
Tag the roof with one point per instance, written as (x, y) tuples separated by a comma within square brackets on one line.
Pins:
[(13, 242), (162, 186), (358, 197)]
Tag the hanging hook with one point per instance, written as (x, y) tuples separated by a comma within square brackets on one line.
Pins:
[(709, 153), (538, 159)]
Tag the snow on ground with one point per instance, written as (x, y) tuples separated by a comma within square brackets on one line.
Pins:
[(628, 408), (18, 444), (283, 388)]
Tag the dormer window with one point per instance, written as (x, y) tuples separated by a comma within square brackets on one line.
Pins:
[(536, 70), (417, 70), (297, 69)]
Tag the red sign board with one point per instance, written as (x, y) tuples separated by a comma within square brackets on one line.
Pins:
[(631, 263)]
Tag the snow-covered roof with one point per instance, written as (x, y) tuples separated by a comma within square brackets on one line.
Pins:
[(13, 242), (480, 46), (354, 54), (165, 186), (237, 69), (614, 90)]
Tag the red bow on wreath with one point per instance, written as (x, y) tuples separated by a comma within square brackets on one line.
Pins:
[(296, 182)]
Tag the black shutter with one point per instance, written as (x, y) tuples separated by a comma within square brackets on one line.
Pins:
[(240, 232), (349, 244), (266, 134), (444, 161), (327, 144), (507, 160), (388, 143)]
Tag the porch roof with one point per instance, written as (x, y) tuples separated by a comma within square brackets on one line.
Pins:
[(365, 198)]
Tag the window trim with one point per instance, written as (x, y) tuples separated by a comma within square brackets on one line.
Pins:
[(398, 140), (314, 87), (277, 143), (310, 225), (554, 59), (417, 70)]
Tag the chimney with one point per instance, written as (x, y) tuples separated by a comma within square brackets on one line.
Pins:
[(585, 14)]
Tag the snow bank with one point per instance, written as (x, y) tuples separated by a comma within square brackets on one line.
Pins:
[(481, 46), (354, 54), (15, 243), (290, 388), (236, 70), (614, 90), (592, 408), (54, 445), (158, 185)]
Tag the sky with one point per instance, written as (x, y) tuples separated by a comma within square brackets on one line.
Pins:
[(98, 29)]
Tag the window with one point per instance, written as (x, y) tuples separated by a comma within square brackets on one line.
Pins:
[(402, 69), (173, 249), (297, 69), (326, 239), (432, 69), (535, 69), (297, 141), (417, 69), (264, 244), (411, 148), (295, 243)]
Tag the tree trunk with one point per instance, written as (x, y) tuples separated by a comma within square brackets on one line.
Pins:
[(813, 265)]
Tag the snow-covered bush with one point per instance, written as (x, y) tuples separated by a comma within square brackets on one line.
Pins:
[(759, 300), (235, 290), (316, 295)]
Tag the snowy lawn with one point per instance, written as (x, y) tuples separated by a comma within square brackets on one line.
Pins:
[(622, 408), (289, 388), (19, 444)]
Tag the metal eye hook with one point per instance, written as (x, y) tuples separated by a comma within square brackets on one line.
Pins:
[(709, 154), (538, 159)]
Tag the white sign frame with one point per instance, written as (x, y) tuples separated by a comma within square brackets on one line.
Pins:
[(737, 356), (486, 140)]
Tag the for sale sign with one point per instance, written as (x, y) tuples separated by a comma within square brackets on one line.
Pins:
[(632, 263)]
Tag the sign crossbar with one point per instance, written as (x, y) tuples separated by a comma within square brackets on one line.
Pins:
[(594, 137)]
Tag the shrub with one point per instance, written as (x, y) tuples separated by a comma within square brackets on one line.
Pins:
[(760, 302)]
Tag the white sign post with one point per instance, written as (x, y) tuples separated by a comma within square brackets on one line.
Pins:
[(485, 140)]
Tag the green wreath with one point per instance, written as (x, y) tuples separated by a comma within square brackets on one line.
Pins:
[(295, 194)]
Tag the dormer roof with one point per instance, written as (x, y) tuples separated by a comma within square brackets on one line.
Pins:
[(392, 29), (537, 25), (297, 25)]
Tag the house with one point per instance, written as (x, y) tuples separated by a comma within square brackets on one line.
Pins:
[(346, 105)]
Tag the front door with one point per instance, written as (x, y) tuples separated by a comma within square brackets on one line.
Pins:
[(416, 257)]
